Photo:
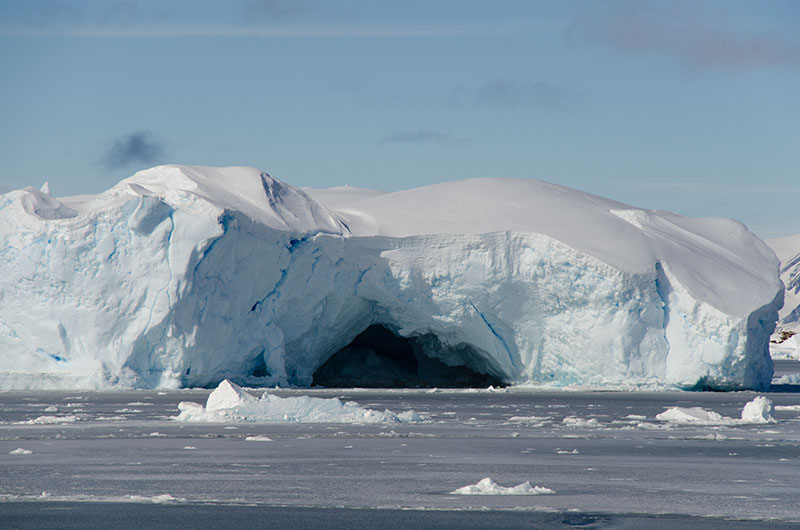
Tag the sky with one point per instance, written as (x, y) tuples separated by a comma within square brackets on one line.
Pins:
[(688, 106)]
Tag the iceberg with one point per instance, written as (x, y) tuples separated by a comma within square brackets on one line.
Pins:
[(786, 340), (487, 486), (183, 276)]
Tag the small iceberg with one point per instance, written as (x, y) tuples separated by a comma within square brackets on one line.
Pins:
[(759, 410), (230, 403), (488, 486)]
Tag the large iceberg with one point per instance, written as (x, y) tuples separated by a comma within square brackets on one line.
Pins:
[(185, 276)]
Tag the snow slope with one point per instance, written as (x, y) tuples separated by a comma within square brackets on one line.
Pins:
[(183, 276)]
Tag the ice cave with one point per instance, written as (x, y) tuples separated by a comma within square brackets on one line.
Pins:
[(378, 358)]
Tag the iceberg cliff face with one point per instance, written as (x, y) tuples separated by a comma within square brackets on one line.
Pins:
[(184, 276)]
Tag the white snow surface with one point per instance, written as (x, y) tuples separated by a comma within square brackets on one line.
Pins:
[(187, 275), (759, 410), (488, 486), (229, 403)]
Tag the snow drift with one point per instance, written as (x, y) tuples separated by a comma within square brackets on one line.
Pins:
[(184, 276)]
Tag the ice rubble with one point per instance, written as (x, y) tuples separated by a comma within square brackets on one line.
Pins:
[(230, 403), (186, 275), (759, 410), (488, 486)]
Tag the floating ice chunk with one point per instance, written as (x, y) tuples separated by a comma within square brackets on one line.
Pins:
[(572, 421), (271, 408), (759, 410), (529, 419), (51, 408), (227, 396), (21, 451), (258, 439), (693, 415), (165, 498), (787, 407), (488, 486), (50, 420)]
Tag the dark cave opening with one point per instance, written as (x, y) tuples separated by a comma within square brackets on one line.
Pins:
[(379, 358)]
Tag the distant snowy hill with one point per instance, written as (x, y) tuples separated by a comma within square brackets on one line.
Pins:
[(185, 275), (788, 252)]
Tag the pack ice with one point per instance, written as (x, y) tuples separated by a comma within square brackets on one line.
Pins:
[(185, 276)]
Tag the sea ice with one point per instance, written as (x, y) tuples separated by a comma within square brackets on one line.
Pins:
[(488, 486), (21, 451)]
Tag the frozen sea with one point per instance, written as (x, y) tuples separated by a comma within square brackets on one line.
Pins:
[(103, 459)]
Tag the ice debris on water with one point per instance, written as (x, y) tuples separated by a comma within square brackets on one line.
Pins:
[(488, 486), (21, 451), (231, 403), (759, 410)]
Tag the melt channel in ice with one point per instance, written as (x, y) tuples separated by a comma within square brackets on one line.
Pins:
[(182, 276), (230, 403)]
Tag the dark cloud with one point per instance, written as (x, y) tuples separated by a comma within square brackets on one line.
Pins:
[(425, 136), (689, 32), (514, 93), (139, 147)]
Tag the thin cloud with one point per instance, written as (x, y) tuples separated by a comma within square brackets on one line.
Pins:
[(425, 136), (689, 32), (239, 18), (270, 10), (515, 93), (139, 147)]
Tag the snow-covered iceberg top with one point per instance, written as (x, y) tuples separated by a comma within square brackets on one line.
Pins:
[(186, 275), (229, 403)]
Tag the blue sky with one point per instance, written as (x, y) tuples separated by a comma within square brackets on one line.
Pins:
[(690, 106)]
